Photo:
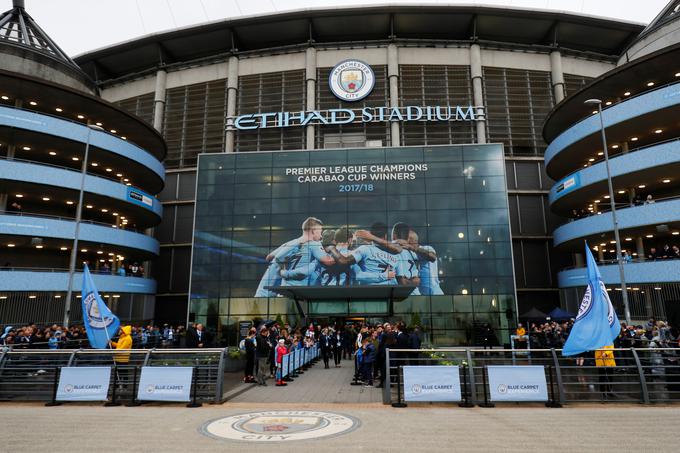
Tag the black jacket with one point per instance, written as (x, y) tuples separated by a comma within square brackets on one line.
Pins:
[(326, 342), (263, 347)]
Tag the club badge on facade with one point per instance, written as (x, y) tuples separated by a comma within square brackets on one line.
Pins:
[(351, 80)]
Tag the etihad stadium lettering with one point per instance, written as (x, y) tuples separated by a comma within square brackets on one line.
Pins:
[(363, 115)]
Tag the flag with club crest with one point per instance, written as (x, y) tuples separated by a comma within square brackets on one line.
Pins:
[(100, 323), (596, 323)]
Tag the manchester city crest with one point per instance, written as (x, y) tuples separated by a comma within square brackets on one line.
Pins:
[(351, 80)]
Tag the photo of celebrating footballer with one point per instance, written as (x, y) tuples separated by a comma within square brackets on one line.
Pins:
[(342, 257)]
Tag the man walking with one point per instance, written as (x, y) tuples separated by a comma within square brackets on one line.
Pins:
[(262, 352)]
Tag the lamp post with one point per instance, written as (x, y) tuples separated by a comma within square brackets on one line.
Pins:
[(79, 213), (612, 202)]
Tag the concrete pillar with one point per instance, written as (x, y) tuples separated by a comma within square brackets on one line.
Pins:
[(557, 76), (640, 248), (393, 76), (600, 254), (578, 260), (310, 76), (477, 92), (649, 306), (159, 99), (232, 96)]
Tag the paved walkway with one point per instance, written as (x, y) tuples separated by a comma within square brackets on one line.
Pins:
[(174, 428), (317, 385)]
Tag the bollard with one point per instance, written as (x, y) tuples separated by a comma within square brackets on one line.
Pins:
[(466, 398), (194, 377), (134, 402), (399, 402), (551, 401), (114, 402), (486, 402), (54, 402)]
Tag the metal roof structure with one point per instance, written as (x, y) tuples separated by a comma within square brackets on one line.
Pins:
[(363, 26), (17, 28), (670, 13)]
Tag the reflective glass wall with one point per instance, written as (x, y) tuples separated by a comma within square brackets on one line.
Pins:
[(447, 205)]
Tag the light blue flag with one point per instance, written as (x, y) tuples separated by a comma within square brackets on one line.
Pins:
[(100, 323), (596, 324)]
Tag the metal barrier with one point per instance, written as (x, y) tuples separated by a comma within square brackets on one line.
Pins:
[(640, 375), (32, 375)]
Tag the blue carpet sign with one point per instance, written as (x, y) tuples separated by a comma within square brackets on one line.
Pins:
[(84, 384), (431, 383), (517, 383), (167, 383)]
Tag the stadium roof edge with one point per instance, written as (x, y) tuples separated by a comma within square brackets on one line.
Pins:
[(446, 22)]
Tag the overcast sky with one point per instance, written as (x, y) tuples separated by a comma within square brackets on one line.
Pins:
[(79, 26)]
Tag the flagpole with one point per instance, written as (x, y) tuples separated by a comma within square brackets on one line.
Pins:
[(79, 214), (612, 203)]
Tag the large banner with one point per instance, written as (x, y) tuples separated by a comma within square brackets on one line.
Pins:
[(424, 217), (431, 383), (84, 384), (165, 384), (517, 383)]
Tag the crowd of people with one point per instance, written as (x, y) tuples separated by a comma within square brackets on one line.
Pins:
[(652, 334), (149, 336), (364, 344)]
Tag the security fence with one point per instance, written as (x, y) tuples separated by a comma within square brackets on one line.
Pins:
[(639, 375), (33, 375)]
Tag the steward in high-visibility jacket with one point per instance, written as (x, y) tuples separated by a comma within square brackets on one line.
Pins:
[(124, 342)]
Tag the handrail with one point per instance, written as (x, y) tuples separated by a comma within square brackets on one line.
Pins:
[(70, 219), (78, 123), (622, 206), (613, 262), (630, 151), (614, 104), (57, 270), (62, 167)]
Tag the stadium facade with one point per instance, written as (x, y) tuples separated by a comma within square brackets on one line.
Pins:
[(51, 119), (513, 66), (263, 85), (640, 102)]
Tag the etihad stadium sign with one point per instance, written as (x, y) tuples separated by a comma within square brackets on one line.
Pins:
[(351, 81)]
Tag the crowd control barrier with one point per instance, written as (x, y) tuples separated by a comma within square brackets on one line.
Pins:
[(486, 377), (296, 361), (35, 375)]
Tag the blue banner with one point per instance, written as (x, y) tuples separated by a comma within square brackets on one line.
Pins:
[(431, 383), (101, 325), (84, 384), (517, 383), (166, 383), (596, 323)]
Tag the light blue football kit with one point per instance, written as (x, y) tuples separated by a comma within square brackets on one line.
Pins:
[(372, 265), (429, 275)]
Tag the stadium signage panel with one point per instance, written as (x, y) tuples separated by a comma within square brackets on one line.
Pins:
[(517, 383), (167, 383), (349, 116), (432, 383), (83, 384)]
